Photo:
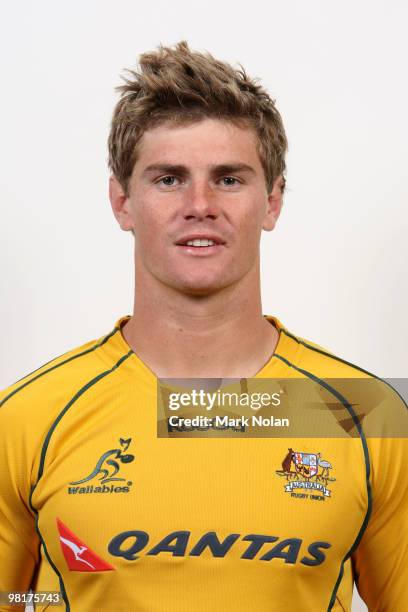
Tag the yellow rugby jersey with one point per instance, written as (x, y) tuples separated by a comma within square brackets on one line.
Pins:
[(94, 505)]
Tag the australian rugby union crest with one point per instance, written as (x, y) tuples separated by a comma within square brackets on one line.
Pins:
[(307, 475)]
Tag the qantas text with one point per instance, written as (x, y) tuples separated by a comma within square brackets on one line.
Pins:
[(129, 543)]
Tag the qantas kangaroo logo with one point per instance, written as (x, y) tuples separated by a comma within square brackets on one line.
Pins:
[(77, 550), (79, 557)]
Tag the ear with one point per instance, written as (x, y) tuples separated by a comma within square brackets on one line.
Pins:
[(274, 204), (120, 204)]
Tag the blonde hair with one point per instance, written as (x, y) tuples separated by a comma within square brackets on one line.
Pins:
[(183, 86)]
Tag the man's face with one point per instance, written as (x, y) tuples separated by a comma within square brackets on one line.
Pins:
[(200, 182)]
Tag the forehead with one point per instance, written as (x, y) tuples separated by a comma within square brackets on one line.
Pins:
[(202, 143)]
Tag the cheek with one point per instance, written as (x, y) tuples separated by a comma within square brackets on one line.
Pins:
[(146, 224), (250, 227)]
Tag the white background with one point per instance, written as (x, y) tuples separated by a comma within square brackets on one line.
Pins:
[(334, 270)]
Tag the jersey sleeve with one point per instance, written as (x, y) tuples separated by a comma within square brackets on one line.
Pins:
[(19, 541), (380, 561)]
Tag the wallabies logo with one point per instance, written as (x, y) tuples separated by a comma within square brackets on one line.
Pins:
[(105, 470)]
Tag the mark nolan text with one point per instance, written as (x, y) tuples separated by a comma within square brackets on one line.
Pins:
[(224, 422)]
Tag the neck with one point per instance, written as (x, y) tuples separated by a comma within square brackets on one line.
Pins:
[(222, 335)]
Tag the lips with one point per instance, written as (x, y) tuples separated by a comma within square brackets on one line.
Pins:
[(217, 240), (200, 251)]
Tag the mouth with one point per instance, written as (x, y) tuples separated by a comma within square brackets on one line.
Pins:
[(200, 245)]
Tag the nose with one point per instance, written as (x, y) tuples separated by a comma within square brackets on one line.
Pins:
[(200, 202)]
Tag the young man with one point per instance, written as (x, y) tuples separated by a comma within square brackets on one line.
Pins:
[(92, 502)]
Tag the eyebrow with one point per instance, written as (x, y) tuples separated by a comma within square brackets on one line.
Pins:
[(180, 169)]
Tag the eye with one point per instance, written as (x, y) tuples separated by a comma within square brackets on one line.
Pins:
[(167, 181), (232, 181)]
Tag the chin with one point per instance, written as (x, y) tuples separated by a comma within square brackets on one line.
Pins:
[(195, 284), (201, 288), (198, 291)]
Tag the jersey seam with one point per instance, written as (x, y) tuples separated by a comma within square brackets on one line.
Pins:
[(44, 449), (341, 360), (366, 454), (78, 394), (296, 351), (92, 348), (340, 604)]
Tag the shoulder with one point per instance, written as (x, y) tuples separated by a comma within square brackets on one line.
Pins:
[(312, 357), (326, 362), (309, 359), (30, 407), (32, 396)]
